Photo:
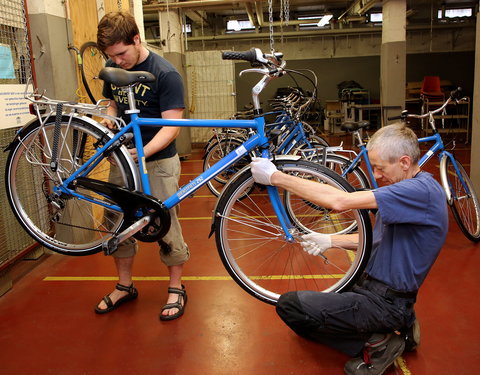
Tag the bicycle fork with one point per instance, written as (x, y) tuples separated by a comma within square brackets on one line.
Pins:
[(450, 190)]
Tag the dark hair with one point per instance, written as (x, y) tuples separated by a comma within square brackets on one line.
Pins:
[(116, 27)]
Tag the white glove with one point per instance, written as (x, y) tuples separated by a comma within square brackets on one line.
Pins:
[(316, 243), (262, 170)]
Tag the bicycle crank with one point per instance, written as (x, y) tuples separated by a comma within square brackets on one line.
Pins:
[(136, 206)]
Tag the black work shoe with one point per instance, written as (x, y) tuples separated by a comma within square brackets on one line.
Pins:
[(378, 355), (412, 337)]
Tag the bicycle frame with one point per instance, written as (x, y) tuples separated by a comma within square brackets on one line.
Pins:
[(438, 147), (258, 140)]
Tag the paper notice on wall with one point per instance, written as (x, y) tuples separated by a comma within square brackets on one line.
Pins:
[(14, 110), (6, 63)]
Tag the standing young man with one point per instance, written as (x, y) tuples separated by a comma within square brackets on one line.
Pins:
[(118, 37), (410, 228)]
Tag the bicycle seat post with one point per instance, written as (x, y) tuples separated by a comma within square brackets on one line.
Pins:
[(358, 138), (131, 101)]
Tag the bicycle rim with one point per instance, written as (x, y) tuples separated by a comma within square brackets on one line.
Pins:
[(63, 223), (93, 60), (464, 206), (253, 249)]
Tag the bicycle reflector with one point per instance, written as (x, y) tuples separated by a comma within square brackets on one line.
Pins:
[(32, 110)]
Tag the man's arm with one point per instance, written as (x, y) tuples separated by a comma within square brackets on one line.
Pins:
[(165, 135), (265, 172), (324, 195)]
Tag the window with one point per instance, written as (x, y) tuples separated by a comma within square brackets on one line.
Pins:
[(239, 25), (376, 17), (455, 13), (187, 28)]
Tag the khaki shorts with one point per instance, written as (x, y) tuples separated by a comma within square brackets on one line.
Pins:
[(164, 175)]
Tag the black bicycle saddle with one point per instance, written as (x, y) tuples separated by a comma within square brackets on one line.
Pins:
[(120, 77)]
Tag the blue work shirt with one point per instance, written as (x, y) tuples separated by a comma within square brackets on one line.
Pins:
[(410, 230)]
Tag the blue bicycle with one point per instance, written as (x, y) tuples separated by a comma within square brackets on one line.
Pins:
[(75, 189)]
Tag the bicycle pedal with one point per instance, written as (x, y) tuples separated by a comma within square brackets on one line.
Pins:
[(110, 246)]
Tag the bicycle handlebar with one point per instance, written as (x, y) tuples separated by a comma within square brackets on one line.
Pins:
[(454, 96)]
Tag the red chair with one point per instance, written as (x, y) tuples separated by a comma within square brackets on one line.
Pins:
[(432, 97), (431, 88)]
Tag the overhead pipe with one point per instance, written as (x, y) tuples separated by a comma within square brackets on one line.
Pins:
[(307, 33), (204, 4)]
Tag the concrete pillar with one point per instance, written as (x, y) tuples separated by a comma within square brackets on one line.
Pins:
[(393, 58), (137, 11), (51, 33), (172, 44), (475, 150)]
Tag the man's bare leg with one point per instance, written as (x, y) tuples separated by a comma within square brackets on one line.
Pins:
[(175, 282), (124, 270)]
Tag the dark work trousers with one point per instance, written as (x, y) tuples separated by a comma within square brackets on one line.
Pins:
[(345, 321)]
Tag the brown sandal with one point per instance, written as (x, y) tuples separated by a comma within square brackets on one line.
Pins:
[(132, 294), (182, 297)]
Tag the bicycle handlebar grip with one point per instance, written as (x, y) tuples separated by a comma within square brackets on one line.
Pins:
[(250, 55), (394, 118)]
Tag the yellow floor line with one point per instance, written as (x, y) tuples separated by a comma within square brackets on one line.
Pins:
[(195, 218), (189, 278), (401, 364), (135, 278)]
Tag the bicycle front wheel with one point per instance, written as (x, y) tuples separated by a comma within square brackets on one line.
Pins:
[(67, 224), (464, 201), (93, 60), (217, 152), (253, 248)]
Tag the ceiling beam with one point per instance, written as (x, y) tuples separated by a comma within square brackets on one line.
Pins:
[(359, 8), (197, 17)]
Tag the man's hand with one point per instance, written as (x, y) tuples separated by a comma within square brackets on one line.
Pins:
[(108, 123), (262, 170), (316, 243), (133, 154)]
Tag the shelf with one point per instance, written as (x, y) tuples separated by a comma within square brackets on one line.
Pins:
[(450, 117)]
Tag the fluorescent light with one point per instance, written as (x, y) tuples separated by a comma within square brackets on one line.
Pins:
[(324, 20)]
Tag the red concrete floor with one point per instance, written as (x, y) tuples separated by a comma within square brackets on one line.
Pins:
[(48, 326)]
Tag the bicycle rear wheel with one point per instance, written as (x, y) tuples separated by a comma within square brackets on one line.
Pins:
[(62, 222), (254, 251), (463, 203), (93, 60)]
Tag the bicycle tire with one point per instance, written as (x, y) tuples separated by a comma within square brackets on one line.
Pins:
[(464, 206), (217, 152), (63, 223), (93, 60), (256, 255)]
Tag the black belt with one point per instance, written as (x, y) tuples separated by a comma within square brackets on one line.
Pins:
[(388, 290)]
